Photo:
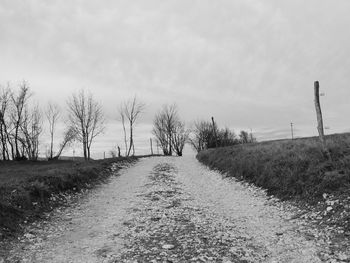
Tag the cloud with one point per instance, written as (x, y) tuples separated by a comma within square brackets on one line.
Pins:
[(248, 63)]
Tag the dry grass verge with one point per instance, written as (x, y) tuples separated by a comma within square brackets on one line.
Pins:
[(286, 168), (295, 170), (27, 189)]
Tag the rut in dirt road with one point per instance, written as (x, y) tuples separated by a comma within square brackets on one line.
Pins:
[(170, 210)]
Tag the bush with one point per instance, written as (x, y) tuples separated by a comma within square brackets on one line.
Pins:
[(207, 135)]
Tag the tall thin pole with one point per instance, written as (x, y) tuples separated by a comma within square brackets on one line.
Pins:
[(214, 130), (291, 129), (119, 151), (150, 140), (320, 119), (319, 114)]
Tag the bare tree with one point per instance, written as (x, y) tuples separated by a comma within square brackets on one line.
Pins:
[(169, 130), (201, 135), (244, 137), (159, 131), (52, 115), (20, 124), (86, 118), (19, 102), (206, 134), (179, 137), (226, 137), (163, 127), (5, 104), (130, 111), (31, 129)]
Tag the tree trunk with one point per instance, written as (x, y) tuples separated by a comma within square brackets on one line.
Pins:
[(3, 142), (131, 143), (11, 145), (170, 146), (125, 141), (16, 141), (84, 149), (51, 146)]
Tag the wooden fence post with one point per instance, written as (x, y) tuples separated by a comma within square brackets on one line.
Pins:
[(119, 151)]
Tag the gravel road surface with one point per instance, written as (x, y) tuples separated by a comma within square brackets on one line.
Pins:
[(169, 209)]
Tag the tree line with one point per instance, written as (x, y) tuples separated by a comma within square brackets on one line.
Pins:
[(206, 134), (22, 122), (171, 134)]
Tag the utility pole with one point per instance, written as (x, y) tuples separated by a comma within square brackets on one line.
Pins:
[(291, 129), (319, 113), (319, 117)]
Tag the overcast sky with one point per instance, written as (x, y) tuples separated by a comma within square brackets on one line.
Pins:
[(248, 63)]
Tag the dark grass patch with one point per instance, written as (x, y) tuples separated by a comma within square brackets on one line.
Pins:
[(26, 188)]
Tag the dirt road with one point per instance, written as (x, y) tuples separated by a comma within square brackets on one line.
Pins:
[(171, 210)]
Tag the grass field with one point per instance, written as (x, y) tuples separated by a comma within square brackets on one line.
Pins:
[(286, 168), (27, 188)]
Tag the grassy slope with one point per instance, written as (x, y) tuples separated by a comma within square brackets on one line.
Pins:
[(287, 169), (26, 187), (299, 171)]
